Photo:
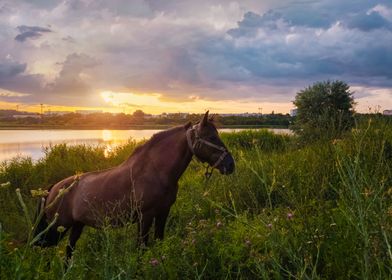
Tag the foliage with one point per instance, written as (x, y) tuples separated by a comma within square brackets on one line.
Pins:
[(137, 119), (324, 110), (319, 211)]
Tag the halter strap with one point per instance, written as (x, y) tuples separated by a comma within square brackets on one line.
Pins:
[(198, 139)]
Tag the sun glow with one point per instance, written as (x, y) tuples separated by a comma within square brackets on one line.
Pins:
[(107, 135), (153, 103), (107, 96)]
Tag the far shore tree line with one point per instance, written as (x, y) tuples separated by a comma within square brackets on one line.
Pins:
[(139, 118), (325, 110)]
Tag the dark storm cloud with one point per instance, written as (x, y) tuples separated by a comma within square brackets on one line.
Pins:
[(11, 69), (31, 32), (251, 22), (368, 22), (13, 78), (273, 55)]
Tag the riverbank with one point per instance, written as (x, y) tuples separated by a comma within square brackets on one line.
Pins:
[(122, 127)]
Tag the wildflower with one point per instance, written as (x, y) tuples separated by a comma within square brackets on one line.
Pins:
[(39, 193), (154, 262), (269, 225), (290, 215), (335, 141), (219, 224), (368, 192), (5, 185), (390, 211), (60, 229)]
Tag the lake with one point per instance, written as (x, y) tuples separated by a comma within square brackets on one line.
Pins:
[(31, 142)]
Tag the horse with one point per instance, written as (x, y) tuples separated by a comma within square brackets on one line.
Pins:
[(144, 186)]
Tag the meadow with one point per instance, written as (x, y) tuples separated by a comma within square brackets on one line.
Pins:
[(291, 210)]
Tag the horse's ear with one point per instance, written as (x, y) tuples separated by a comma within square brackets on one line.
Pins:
[(188, 125), (204, 121)]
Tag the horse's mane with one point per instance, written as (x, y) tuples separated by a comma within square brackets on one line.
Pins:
[(156, 138)]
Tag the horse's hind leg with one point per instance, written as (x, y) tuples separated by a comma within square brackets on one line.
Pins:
[(160, 221), (76, 231), (145, 222)]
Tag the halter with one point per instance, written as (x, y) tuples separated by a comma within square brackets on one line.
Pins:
[(198, 141)]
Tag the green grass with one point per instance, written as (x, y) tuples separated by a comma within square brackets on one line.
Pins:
[(290, 211)]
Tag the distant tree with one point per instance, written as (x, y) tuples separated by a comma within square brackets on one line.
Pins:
[(324, 110), (138, 114)]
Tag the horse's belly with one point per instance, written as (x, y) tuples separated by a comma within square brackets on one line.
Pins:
[(102, 205)]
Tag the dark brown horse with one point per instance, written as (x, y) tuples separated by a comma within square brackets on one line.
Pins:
[(144, 186)]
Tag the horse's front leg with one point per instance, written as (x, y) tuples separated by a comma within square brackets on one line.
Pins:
[(144, 224), (160, 221)]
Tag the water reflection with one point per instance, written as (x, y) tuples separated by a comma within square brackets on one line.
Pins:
[(31, 143)]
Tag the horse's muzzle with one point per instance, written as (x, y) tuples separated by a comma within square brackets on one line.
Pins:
[(227, 165)]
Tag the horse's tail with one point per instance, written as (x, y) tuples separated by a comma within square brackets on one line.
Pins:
[(51, 236)]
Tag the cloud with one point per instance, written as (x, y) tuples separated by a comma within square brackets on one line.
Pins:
[(183, 50), (30, 32), (72, 80), (72, 85), (10, 69), (368, 21), (14, 78)]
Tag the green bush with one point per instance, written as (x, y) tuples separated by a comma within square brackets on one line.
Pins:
[(324, 111)]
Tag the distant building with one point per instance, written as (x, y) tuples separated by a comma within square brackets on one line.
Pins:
[(172, 115), (387, 112), (293, 112), (56, 113), (88, 112), (35, 116), (241, 115)]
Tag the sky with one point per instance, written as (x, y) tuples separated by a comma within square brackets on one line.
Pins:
[(190, 56)]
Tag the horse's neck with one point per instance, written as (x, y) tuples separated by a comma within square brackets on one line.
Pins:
[(171, 156)]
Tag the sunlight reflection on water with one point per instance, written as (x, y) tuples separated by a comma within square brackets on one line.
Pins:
[(32, 142)]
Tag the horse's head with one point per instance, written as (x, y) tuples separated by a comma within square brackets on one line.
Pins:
[(204, 141)]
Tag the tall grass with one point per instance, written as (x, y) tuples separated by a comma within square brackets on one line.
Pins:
[(320, 211)]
